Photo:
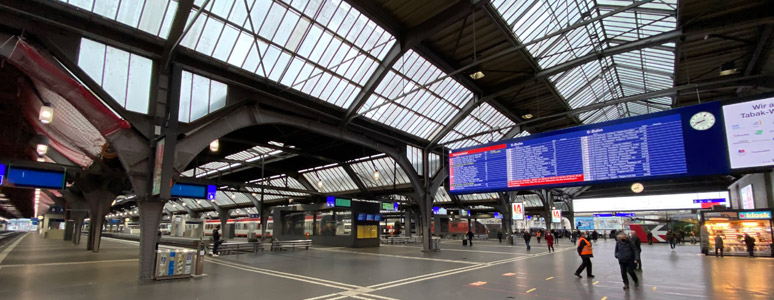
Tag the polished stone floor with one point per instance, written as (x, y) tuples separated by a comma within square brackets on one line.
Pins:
[(35, 268)]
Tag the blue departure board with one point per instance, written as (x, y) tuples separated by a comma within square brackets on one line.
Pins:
[(651, 146), (35, 178)]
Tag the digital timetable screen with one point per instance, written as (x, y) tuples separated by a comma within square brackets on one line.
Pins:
[(654, 146)]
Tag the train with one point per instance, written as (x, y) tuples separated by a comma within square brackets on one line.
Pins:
[(243, 227)]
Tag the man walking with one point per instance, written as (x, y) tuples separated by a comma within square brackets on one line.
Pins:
[(527, 237), (638, 246), (215, 240), (750, 243), (470, 238), (585, 252), (550, 242), (500, 236), (627, 255), (650, 238)]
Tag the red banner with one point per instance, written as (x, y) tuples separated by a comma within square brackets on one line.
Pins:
[(546, 180)]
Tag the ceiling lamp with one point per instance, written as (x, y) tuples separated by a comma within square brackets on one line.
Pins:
[(376, 175), (728, 68), (319, 183), (478, 75), (46, 114), (215, 146), (41, 144), (527, 116)]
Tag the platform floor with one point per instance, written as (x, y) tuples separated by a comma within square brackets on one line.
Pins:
[(35, 268)]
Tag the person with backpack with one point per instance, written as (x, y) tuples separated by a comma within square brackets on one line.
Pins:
[(627, 254)]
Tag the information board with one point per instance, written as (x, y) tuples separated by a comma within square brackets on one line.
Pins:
[(660, 145), (196, 191), (34, 178), (750, 133)]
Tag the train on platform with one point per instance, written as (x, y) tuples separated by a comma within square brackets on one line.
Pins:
[(243, 227)]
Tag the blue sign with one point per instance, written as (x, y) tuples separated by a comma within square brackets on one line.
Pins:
[(211, 190), (171, 270), (654, 146), (185, 190), (718, 200), (36, 178), (330, 201), (603, 215), (436, 209), (630, 215), (498, 216), (2, 173), (755, 215), (584, 223)]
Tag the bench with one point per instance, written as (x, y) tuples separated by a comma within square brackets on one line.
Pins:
[(237, 247), (279, 245)]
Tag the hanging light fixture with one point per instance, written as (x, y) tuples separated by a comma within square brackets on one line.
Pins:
[(41, 144), (376, 171), (319, 181), (215, 145), (46, 114)]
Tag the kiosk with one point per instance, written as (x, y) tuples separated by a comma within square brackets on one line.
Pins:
[(732, 225)]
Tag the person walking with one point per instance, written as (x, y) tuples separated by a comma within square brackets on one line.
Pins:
[(627, 254), (671, 237), (718, 245), (586, 253), (527, 237), (650, 238), (539, 235), (215, 240), (638, 245), (500, 236), (594, 236), (550, 242), (750, 242), (470, 238)]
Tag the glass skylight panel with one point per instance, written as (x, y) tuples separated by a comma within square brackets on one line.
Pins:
[(333, 179), (442, 196), (123, 75), (281, 181), (151, 16), (324, 48), (200, 96), (421, 113), (223, 199), (389, 172), (479, 197), (483, 118)]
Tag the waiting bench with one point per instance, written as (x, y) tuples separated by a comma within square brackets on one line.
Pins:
[(237, 247), (280, 245)]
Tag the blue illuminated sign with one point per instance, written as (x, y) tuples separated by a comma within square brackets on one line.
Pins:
[(630, 215), (211, 190), (654, 146), (498, 216), (36, 178), (330, 201), (718, 200), (2, 173), (185, 190)]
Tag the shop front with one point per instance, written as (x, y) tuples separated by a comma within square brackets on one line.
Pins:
[(732, 226)]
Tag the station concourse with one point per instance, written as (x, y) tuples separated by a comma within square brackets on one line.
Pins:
[(350, 149)]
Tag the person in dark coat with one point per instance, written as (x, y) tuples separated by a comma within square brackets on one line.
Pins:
[(650, 238), (718, 245), (550, 242), (500, 236), (627, 254), (671, 238), (470, 238), (215, 240), (638, 244), (594, 236), (586, 253), (527, 237), (750, 242)]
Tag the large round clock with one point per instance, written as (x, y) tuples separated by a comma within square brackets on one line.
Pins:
[(637, 187), (702, 120)]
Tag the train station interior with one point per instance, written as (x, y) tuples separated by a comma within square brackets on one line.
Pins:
[(386, 149)]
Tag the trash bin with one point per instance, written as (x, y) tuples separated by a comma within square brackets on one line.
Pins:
[(435, 244), (175, 263)]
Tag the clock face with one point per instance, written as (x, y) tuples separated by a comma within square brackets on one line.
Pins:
[(702, 120), (637, 187)]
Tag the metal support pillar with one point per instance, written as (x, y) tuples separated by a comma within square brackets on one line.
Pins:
[(223, 215), (407, 223), (150, 218), (78, 217), (99, 205)]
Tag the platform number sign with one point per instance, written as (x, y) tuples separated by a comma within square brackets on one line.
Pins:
[(2, 174), (211, 190)]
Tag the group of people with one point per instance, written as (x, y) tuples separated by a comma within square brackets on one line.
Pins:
[(749, 242), (675, 238), (627, 251)]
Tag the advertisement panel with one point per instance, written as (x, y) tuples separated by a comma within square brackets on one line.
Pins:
[(556, 216), (518, 211), (748, 201), (750, 133)]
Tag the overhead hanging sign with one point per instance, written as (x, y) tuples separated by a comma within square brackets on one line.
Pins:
[(556, 216), (518, 211)]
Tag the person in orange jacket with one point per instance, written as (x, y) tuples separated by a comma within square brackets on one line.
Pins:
[(585, 252)]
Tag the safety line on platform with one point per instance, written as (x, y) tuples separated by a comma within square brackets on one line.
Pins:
[(11, 246), (70, 263)]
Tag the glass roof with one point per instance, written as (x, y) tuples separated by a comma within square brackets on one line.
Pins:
[(200, 96), (483, 118), (151, 16), (330, 179), (441, 197), (235, 160), (323, 48), (389, 172), (421, 113), (612, 77), (478, 197)]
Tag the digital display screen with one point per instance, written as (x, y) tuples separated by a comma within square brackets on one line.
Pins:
[(378, 217), (750, 133), (343, 202), (369, 217), (24, 177), (184, 190), (387, 206), (361, 217), (748, 199), (659, 145)]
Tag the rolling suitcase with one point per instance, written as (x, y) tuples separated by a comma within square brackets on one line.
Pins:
[(464, 242)]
